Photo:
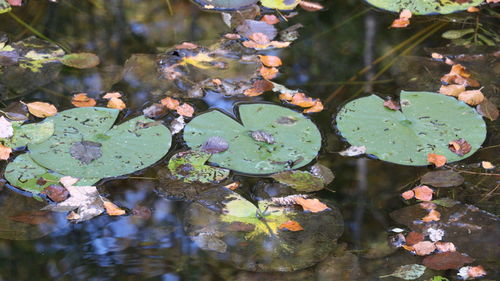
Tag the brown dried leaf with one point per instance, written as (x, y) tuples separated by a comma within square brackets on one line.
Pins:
[(452, 90), (317, 107), (112, 95), (400, 23), (116, 103), (258, 88), (459, 147), (423, 193), (445, 246), (41, 109), (391, 104), (56, 193), (5, 152), (185, 110), (413, 238), (432, 216), (446, 260), (233, 186), (442, 178), (472, 97), (436, 159), (270, 19), (476, 271), (82, 100), (488, 109), (424, 248), (407, 195), (270, 61), (170, 103), (300, 99), (487, 165), (312, 205), (112, 209), (268, 72)]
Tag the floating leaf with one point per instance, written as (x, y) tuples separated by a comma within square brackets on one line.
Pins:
[(425, 124), (302, 181), (82, 100), (225, 5), (280, 4), (291, 226), (80, 60), (408, 272), (488, 109), (446, 260), (126, 148), (311, 205), (295, 143), (41, 109), (5, 152), (442, 178), (31, 133), (190, 167), (423, 7), (436, 159), (423, 193)]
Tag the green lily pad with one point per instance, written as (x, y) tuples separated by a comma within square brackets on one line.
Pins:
[(302, 181), (269, 139), (189, 166), (24, 173), (426, 124), (225, 5), (252, 237), (85, 145), (30, 133), (425, 7)]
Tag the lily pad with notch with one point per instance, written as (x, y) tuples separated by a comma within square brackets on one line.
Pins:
[(269, 139), (232, 229), (189, 166), (86, 145), (426, 124), (425, 7)]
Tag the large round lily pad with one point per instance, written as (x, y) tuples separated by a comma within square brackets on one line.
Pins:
[(253, 237), (269, 139), (426, 124), (425, 7), (85, 145)]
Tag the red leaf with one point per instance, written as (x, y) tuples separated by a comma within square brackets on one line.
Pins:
[(446, 260)]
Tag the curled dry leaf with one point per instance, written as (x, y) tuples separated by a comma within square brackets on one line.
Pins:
[(170, 103), (476, 271), (268, 72), (270, 61), (432, 216), (472, 97), (317, 107), (300, 99), (424, 248), (5, 152), (459, 70), (311, 6), (459, 147), (436, 159), (233, 186), (112, 209), (291, 226), (116, 103), (423, 193), (41, 109), (56, 193), (185, 110), (312, 205), (258, 88), (452, 90), (82, 100), (112, 95), (407, 195)]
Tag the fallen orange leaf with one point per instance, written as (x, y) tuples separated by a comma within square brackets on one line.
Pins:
[(270, 19), (460, 70), (291, 226), (413, 238), (391, 104), (268, 72), (310, 6), (407, 195), (317, 107), (459, 147), (436, 159), (432, 216), (185, 110), (112, 209), (476, 271), (270, 61), (170, 103), (300, 99), (400, 23), (445, 246), (82, 100), (259, 87), (473, 9), (286, 96), (233, 185), (452, 90), (423, 193), (112, 95), (472, 97), (487, 165), (5, 152), (116, 103), (312, 205), (41, 109)]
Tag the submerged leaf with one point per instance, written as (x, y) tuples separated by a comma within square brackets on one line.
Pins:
[(80, 60), (408, 272), (424, 7), (301, 181), (189, 166)]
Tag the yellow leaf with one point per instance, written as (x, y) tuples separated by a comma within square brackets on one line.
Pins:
[(41, 109)]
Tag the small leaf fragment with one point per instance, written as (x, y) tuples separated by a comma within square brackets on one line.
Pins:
[(311, 205), (407, 272), (459, 147), (471, 97), (112, 209), (5, 152), (82, 100), (270, 61), (436, 159), (424, 248), (291, 226), (80, 60), (488, 109), (423, 193), (487, 165), (353, 151), (185, 110), (116, 103)]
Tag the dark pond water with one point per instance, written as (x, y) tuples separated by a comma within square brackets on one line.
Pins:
[(333, 46)]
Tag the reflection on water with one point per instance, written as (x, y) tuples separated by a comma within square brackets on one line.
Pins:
[(151, 242)]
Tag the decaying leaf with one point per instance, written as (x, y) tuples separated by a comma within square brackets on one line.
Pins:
[(423, 193), (413, 238), (185, 110), (270, 19), (56, 193), (392, 104), (268, 72), (446, 260), (270, 61), (445, 246), (472, 97), (432, 216), (317, 107), (170, 103), (189, 166), (112, 209), (156, 110), (488, 109), (215, 144), (41, 109), (470, 272), (442, 178), (452, 90), (116, 103), (424, 248), (311, 205), (301, 181), (5, 152), (80, 60), (407, 195), (291, 226), (459, 147), (436, 159), (487, 165), (407, 272), (82, 100)]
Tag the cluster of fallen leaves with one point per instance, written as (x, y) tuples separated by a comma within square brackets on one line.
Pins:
[(456, 84), (424, 193), (307, 204), (459, 147), (114, 100), (83, 202), (403, 20)]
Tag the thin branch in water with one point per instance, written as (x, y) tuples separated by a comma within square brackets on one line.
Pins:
[(471, 173)]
